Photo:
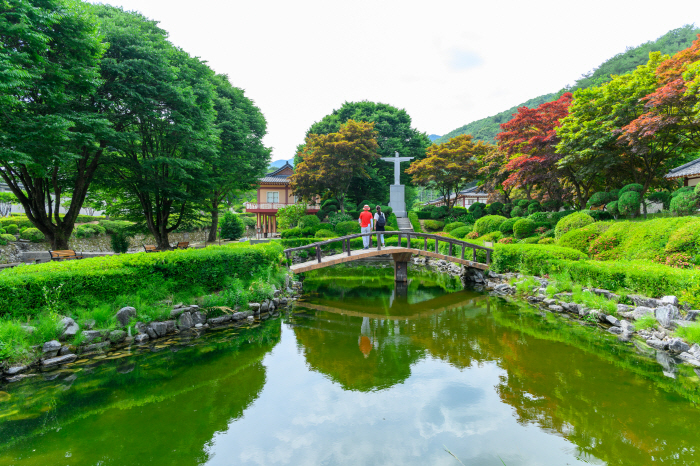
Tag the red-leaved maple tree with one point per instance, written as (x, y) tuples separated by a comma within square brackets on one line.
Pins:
[(674, 107), (529, 141)]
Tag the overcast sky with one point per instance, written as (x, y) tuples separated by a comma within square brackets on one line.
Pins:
[(446, 62)]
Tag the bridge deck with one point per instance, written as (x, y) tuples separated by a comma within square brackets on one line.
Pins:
[(364, 253)]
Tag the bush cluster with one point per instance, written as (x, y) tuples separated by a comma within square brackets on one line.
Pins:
[(524, 228), (89, 230), (507, 227), (32, 234), (488, 224), (347, 228), (460, 232), (22, 288), (433, 225), (453, 226)]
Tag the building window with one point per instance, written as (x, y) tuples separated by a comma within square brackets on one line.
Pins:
[(273, 197)]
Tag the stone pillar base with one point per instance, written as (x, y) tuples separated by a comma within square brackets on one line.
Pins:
[(401, 266), (397, 200)]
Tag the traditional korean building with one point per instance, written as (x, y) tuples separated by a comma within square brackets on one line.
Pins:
[(465, 198), (689, 173), (273, 194)]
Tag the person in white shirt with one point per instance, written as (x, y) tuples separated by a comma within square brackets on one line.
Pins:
[(379, 223)]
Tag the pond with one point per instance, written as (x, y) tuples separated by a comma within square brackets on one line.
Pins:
[(362, 372)]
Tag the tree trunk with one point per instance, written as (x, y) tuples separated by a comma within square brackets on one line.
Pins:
[(214, 225)]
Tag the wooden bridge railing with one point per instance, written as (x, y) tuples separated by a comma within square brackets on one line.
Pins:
[(345, 240)]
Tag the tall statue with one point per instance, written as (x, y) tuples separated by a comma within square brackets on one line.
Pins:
[(397, 193)]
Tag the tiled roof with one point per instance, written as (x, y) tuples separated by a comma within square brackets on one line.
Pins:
[(688, 169), (274, 179)]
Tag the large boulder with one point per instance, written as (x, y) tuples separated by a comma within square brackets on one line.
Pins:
[(667, 313), (50, 349), (159, 328), (185, 321), (117, 336), (124, 315), (692, 315), (70, 328), (677, 345), (199, 318), (641, 311), (644, 301), (672, 300), (90, 335), (57, 361)]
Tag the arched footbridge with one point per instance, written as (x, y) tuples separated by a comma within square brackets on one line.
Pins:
[(420, 244)]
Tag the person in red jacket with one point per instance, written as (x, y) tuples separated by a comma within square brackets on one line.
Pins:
[(366, 223)]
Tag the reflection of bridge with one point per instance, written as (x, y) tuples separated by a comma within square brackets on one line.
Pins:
[(400, 254), (419, 310)]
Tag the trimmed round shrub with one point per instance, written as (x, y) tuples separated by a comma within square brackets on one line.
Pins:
[(629, 202), (33, 235), (599, 199), (325, 234), (453, 226), (530, 240), (8, 238), (662, 197), (433, 225), (3, 241), (684, 204), (438, 213), (488, 224), (460, 232), (476, 206), (336, 218), (309, 221), (347, 228), (472, 235), (546, 241), (540, 217), (457, 211), (534, 207), (507, 227), (291, 233), (571, 222), (611, 207), (2, 231), (12, 229), (524, 228), (523, 203), (89, 231), (495, 208), (331, 202), (231, 226), (517, 212), (634, 187)]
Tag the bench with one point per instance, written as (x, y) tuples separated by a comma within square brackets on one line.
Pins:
[(64, 254), (150, 248), (183, 245)]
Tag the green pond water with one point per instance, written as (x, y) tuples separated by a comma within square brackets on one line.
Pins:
[(364, 373)]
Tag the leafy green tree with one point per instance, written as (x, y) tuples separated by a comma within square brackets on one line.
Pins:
[(52, 136), (232, 226), (330, 162), (165, 118), (394, 134), (241, 159), (289, 216), (449, 167)]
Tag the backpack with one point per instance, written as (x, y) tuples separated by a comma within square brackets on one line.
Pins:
[(381, 221)]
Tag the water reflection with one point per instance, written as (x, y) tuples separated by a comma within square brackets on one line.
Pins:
[(360, 374), (161, 406)]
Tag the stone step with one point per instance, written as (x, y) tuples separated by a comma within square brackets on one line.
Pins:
[(404, 224)]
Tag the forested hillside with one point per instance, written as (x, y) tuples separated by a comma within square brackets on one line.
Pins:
[(622, 63)]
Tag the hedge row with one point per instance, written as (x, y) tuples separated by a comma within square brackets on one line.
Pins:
[(639, 276), (22, 289)]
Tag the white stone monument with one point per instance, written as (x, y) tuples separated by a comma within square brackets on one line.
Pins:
[(397, 193)]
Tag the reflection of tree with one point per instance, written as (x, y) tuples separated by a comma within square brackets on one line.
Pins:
[(165, 411), (333, 345)]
